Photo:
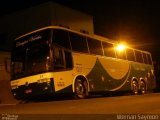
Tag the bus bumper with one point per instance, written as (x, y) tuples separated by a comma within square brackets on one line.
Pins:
[(34, 89)]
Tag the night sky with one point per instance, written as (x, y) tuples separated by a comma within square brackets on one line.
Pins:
[(135, 21)]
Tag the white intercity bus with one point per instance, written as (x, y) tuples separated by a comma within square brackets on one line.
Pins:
[(56, 60)]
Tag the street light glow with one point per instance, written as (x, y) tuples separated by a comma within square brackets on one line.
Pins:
[(120, 47)]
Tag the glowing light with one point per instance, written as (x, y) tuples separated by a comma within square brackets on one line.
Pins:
[(121, 47)]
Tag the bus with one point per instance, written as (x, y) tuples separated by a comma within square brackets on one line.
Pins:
[(56, 60)]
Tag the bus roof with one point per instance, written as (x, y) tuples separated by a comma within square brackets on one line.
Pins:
[(94, 36), (67, 29)]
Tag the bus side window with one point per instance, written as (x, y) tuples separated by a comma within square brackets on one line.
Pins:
[(95, 46), (149, 59), (139, 57), (68, 60), (121, 54), (145, 58), (108, 49), (61, 38), (78, 43), (130, 54), (62, 59), (58, 58)]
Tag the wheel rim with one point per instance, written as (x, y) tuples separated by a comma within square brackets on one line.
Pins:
[(135, 87), (80, 89), (143, 87)]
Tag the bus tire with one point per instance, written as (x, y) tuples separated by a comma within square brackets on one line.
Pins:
[(142, 87), (134, 87), (81, 90)]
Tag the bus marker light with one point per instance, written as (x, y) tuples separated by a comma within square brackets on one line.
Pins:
[(28, 91), (60, 84)]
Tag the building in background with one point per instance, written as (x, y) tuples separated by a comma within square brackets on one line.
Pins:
[(4, 65), (26, 20)]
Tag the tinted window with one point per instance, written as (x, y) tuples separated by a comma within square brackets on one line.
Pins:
[(68, 59), (149, 59), (130, 54), (30, 54), (78, 43), (58, 58), (37, 57), (145, 58), (62, 59), (138, 56), (121, 54), (95, 46), (60, 37), (108, 49)]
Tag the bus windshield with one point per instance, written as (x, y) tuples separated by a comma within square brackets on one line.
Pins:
[(33, 60), (37, 57), (30, 55)]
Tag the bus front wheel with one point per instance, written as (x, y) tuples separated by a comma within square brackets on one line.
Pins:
[(80, 89)]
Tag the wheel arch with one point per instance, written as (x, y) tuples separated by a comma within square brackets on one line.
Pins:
[(134, 85), (144, 80), (134, 79)]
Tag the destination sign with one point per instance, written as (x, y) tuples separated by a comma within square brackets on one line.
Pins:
[(31, 39)]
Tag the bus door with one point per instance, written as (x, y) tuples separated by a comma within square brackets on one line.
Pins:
[(62, 59)]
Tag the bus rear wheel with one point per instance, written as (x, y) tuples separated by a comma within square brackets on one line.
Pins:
[(134, 87), (80, 89), (142, 87)]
